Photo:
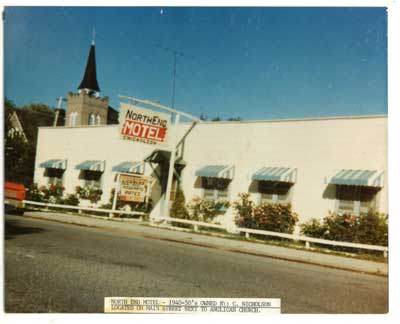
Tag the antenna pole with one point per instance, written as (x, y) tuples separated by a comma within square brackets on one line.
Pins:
[(173, 83), (176, 54)]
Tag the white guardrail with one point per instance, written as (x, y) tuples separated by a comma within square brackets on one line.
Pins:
[(247, 231), (80, 209), (295, 237)]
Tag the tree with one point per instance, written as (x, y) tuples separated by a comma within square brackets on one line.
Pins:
[(235, 118), (216, 119), (203, 117), (16, 149), (33, 116), (178, 208), (19, 155)]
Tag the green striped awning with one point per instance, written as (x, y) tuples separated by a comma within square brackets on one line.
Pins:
[(129, 167), (367, 178), (92, 165), (161, 156), (54, 164), (216, 171), (275, 174)]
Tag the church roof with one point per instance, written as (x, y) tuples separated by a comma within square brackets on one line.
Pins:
[(89, 80)]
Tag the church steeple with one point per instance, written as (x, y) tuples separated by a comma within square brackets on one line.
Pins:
[(89, 81)]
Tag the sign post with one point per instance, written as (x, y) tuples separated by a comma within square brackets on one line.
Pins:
[(150, 127), (116, 189), (171, 167)]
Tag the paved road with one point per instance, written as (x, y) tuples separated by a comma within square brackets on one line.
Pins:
[(53, 267)]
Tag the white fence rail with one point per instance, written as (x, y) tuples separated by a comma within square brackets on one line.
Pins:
[(294, 237), (247, 231), (80, 209)]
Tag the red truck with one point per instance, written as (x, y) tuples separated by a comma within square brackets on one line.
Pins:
[(14, 195)]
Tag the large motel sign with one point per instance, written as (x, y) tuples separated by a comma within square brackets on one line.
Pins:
[(144, 125), (151, 127)]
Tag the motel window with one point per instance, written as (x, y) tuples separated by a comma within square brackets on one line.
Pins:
[(54, 176), (92, 119), (355, 199), (274, 192), (91, 178), (72, 118), (215, 188)]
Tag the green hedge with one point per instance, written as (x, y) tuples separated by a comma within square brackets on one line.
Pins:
[(367, 228)]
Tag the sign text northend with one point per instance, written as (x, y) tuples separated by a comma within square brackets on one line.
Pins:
[(144, 125)]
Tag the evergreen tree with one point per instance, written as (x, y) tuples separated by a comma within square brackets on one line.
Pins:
[(178, 208)]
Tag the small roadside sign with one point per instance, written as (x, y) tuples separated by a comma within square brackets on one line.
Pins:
[(133, 188)]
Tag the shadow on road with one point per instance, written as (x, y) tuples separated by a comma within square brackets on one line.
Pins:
[(13, 228)]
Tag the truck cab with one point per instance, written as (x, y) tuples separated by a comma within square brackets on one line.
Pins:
[(14, 196)]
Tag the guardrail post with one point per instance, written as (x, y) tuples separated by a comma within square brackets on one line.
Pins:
[(79, 211), (307, 245), (385, 254), (110, 215), (247, 235), (196, 228)]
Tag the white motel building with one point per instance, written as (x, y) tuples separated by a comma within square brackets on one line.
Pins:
[(318, 165)]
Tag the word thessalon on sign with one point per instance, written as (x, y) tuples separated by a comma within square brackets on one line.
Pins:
[(133, 188), (144, 125)]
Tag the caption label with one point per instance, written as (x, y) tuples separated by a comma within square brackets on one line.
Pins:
[(192, 305)]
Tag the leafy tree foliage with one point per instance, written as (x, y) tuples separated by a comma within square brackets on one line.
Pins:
[(19, 155)]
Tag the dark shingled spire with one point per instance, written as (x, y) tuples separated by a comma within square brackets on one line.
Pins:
[(90, 79)]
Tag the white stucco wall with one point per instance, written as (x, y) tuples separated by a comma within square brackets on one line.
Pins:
[(316, 147)]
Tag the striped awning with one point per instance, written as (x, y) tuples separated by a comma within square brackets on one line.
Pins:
[(54, 164), (92, 165), (275, 174), (161, 156), (216, 171), (367, 178), (129, 167)]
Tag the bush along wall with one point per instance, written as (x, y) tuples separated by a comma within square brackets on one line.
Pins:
[(206, 210), (367, 228), (53, 194), (268, 217)]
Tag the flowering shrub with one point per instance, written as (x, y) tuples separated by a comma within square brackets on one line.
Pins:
[(51, 193), (91, 193), (269, 217), (368, 228), (33, 193), (206, 210), (71, 200)]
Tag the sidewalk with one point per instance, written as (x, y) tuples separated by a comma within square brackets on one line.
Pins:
[(277, 252)]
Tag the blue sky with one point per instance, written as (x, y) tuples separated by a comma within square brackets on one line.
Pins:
[(256, 63)]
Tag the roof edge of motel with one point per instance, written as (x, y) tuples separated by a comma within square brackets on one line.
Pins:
[(89, 80), (244, 121)]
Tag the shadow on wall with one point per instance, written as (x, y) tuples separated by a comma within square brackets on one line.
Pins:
[(329, 192), (253, 187), (155, 189), (198, 183)]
